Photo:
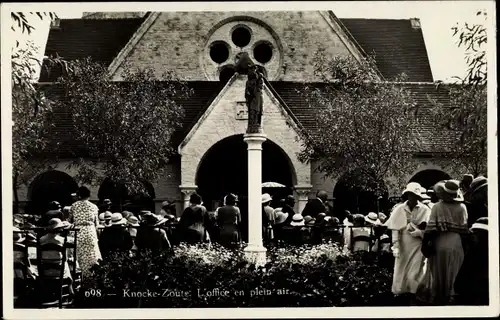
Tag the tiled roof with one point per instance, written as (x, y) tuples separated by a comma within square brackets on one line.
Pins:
[(203, 92), (433, 138), (76, 39), (397, 46)]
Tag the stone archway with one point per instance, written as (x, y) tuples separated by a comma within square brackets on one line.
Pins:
[(429, 177), (50, 186), (123, 200), (224, 168), (358, 199)]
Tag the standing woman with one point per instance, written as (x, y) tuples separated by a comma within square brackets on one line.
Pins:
[(407, 222), (193, 222), (85, 217), (229, 221), (445, 231)]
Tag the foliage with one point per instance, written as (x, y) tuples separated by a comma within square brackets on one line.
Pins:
[(31, 117), (125, 127), (21, 22), (364, 126), (323, 280), (467, 112)]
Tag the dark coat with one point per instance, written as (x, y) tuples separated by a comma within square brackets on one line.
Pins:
[(115, 239), (151, 238), (193, 224), (313, 207)]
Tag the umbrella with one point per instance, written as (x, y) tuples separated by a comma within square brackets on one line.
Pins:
[(273, 185)]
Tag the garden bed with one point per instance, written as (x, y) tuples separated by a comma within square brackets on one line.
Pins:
[(213, 277)]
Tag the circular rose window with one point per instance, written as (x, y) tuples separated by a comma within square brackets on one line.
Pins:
[(232, 37)]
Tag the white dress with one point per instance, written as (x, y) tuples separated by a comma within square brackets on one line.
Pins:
[(85, 215)]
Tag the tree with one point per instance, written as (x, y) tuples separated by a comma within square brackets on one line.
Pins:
[(30, 115), (21, 22), (467, 112), (125, 127), (365, 127)]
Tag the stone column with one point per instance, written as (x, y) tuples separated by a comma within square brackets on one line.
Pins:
[(255, 251), (303, 196), (187, 191)]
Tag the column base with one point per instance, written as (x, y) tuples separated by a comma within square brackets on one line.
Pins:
[(256, 255)]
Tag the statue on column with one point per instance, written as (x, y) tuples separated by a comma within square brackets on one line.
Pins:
[(253, 90)]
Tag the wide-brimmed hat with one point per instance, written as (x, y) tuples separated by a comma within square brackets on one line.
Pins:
[(126, 214), (320, 217), (266, 198), (101, 216), (281, 217), (311, 222), (56, 224), (415, 188), (480, 224), (333, 221), (108, 215), (372, 218), (424, 195), (478, 183), (117, 219), (307, 219), (297, 220), (382, 216), (451, 191), (133, 221), (439, 188), (18, 235)]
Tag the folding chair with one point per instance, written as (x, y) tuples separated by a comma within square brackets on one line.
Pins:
[(52, 290), (21, 265)]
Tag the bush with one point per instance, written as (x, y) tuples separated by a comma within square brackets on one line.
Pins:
[(214, 277)]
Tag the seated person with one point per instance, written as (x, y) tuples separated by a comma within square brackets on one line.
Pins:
[(333, 232), (115, 237), (149, 234), (360, 235), (53, 236)]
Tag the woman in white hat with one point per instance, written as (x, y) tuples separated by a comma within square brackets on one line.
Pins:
[(115, 237), (268, 218), (445, 231), (406, 224)]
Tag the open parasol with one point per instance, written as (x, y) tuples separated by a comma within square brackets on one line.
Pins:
[(273, 185)]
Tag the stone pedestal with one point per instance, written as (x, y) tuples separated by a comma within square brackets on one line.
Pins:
[(187, 191), (303, 196), (255, 251)]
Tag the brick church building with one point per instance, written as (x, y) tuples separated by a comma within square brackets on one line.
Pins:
[(200, 47)]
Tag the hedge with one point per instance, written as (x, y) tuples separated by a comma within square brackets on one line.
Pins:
[(214, 277)]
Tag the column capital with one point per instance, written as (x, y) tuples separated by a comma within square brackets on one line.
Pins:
[(188, 189), (303, 189), (254, 137)]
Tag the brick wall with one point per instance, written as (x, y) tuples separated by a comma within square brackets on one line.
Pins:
[(177, 40)]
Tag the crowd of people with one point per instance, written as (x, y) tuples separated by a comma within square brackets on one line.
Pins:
[(437, 238)]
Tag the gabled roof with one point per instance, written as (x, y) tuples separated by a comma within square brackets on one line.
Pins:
[(81, 38), (289, 95), (398, 47)]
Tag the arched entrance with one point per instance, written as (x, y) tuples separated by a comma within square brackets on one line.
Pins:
[(50, 186), (123, 200), (224, 168), (349, 195), (428, 178)]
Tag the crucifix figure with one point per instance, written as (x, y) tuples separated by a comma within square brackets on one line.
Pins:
[(253, 90)]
